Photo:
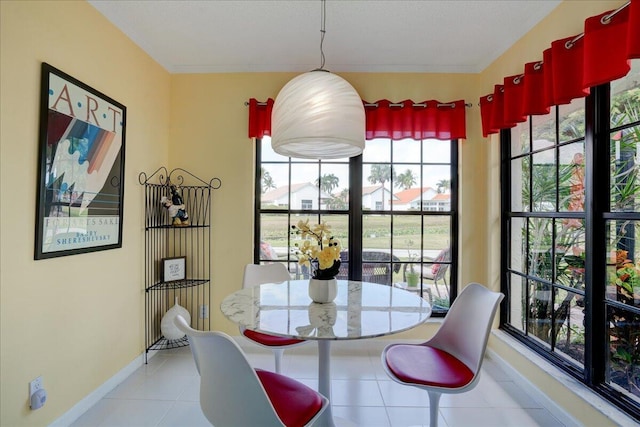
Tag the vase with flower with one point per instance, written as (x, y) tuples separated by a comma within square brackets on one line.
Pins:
[(320, 252)]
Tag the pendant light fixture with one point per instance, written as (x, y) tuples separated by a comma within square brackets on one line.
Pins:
[(318, 115)]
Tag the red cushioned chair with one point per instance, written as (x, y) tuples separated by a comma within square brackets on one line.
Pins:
[(449, 362), (254, 275), (232, 393)]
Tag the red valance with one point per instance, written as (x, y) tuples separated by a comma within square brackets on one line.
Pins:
[(633, 36), (569, 68), (486, 108), (260, 118), (385, 119), (422, 120), (534, 100), (547, 61), (566, 70), (605, 43), (513, 99), (497, 109)]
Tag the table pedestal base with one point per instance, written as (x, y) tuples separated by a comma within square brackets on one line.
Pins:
[(324, 381), (324, 387)]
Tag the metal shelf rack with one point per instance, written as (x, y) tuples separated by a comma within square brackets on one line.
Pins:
[(164, 240)]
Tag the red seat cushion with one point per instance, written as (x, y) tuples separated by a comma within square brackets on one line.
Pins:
[(269, 340), (295, 403), (421, 364)]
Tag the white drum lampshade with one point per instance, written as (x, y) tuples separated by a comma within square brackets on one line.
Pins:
[(318, 115)]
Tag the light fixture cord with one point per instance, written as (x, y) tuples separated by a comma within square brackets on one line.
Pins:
[(323, 21)]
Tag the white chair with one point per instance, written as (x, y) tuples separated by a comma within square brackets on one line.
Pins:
[(449, 362), (232, 393), (254, 275)]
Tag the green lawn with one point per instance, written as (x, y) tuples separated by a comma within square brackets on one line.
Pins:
[(377, 230)]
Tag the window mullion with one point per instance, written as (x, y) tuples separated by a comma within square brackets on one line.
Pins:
[(505, 201), (257, 197), (355, 217), (596, 204)]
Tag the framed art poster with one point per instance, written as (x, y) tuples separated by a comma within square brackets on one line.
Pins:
[(174, 269), (81, 168)]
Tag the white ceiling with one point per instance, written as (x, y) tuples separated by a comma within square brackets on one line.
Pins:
[(209, 36)]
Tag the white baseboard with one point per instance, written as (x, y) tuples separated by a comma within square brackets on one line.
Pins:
[(94, 397)]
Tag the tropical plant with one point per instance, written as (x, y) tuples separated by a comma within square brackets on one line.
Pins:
[(624, 344), (267, 180), (336, 202), (411, 275), (406, 180), (327, 182), (443, 185), (555, 247)]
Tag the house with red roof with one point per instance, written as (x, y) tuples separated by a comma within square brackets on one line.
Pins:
[(411, 198)]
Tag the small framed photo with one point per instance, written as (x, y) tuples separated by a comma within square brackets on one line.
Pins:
[(174, 269)]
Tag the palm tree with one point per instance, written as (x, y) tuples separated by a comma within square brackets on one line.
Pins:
[(267, 180), (327, 182), (336, 202), (381, 174), (344, 195), (406, 180), (443, 185)]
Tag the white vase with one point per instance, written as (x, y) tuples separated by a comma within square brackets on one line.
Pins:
[(322, 291), (169, 330)]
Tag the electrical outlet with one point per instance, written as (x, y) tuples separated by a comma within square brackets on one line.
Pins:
[(35, 385), (204, 311)]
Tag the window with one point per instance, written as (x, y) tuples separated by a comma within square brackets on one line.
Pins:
[(570, 209), (393, 209)]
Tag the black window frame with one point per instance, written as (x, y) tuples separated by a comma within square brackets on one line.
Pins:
[(596, 214), (355, 214)]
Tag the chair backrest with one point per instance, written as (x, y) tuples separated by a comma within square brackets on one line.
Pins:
[(438, 270), (465, 330), (230, 392), (376, 266), (255, 274)]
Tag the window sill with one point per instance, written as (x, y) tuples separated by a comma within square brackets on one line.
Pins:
[(579, 391)]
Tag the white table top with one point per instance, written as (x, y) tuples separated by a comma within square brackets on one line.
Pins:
[(360, 310)]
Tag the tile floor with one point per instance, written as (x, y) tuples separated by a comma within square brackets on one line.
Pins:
[(165, 392)]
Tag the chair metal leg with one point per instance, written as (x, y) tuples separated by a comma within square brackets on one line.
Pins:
[(446, 286), (434, 402), (278, 353), (435, 285), (430, 293)]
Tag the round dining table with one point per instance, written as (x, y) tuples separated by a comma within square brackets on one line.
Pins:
[(360, 310)]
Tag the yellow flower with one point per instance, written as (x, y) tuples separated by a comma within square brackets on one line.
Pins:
[(319, 249), (322, 228), (326, 257), (303, 226), (304, 260)]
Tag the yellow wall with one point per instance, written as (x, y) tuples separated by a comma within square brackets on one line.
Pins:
[(78, 320), (75, 320)]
